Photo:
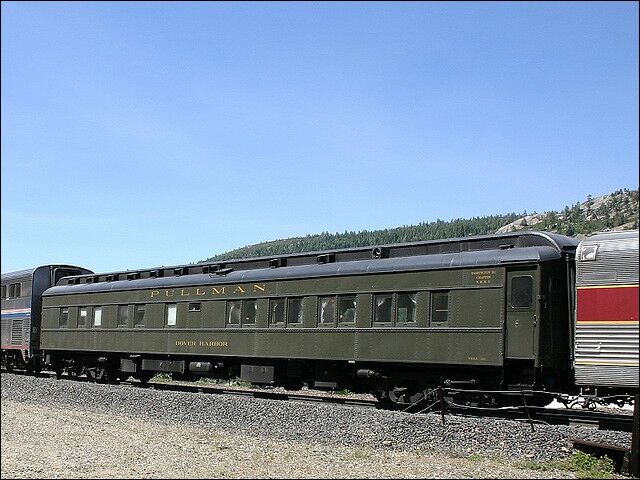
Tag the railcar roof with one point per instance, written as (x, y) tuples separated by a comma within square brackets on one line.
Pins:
[(27, 272), (521, 239), (619, 235), (482, 258), (516, 240)]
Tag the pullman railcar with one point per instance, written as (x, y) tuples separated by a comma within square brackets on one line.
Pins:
[(21, 312), (487, 312)]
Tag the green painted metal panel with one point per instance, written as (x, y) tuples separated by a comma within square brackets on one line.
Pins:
[(472, 336), (364, 306), (310, 312)]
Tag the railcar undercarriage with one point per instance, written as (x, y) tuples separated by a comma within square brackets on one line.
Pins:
[(396, 386), (19, 359)]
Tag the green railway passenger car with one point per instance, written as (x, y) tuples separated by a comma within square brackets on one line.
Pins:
[(488, 312)]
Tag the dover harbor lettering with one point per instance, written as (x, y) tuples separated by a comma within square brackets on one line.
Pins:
[(202, 343)]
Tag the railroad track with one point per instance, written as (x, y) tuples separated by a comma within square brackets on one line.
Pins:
[(566, 416), (552, 416), (257, 393), (533, 415)]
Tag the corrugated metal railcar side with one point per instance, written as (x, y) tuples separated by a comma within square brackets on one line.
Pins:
[(16, 309), (607, 310)]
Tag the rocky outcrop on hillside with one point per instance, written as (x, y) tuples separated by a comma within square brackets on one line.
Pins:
[(615, 211), (523, 223)]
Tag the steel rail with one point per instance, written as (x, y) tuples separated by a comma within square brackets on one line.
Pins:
[(263, 394)]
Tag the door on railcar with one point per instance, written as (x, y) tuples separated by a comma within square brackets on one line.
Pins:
[(521, 317)]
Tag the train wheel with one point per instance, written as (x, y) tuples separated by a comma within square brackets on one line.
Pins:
[(400, 397), (144, 377), (97, 374), (91, 374), (105, 375)]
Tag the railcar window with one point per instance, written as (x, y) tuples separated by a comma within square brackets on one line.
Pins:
[(295, 314), (249, 310), (26, 289), (439, 308), (276, 311), (382, 308), (60, 273), (139, 313), (4, 291), (97, 317), (12, 290), (123, 315), (82, 316), (406, 308), (64, 318), (172, 314), (195, 306), (18, 290), (521, 291), (233, 313), (347, 308), (327, 313)]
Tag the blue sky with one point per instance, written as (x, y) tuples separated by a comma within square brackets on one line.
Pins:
[(143, 134)]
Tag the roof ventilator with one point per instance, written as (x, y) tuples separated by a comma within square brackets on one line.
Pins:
[(277, 262), (181, 271), (213, 268), (224, 271), (326, 258), (380, 252)]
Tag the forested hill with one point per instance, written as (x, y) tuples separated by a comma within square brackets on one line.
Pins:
[(616, 211)]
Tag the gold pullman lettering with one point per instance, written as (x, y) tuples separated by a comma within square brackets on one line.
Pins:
[(210, 291)]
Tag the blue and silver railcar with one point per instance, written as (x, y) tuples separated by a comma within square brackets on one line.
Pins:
[(21, 312)]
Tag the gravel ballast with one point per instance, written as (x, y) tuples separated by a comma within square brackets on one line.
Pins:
[(58, 428)]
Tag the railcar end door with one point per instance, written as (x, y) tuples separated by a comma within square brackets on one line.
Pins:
[(522, 322)]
